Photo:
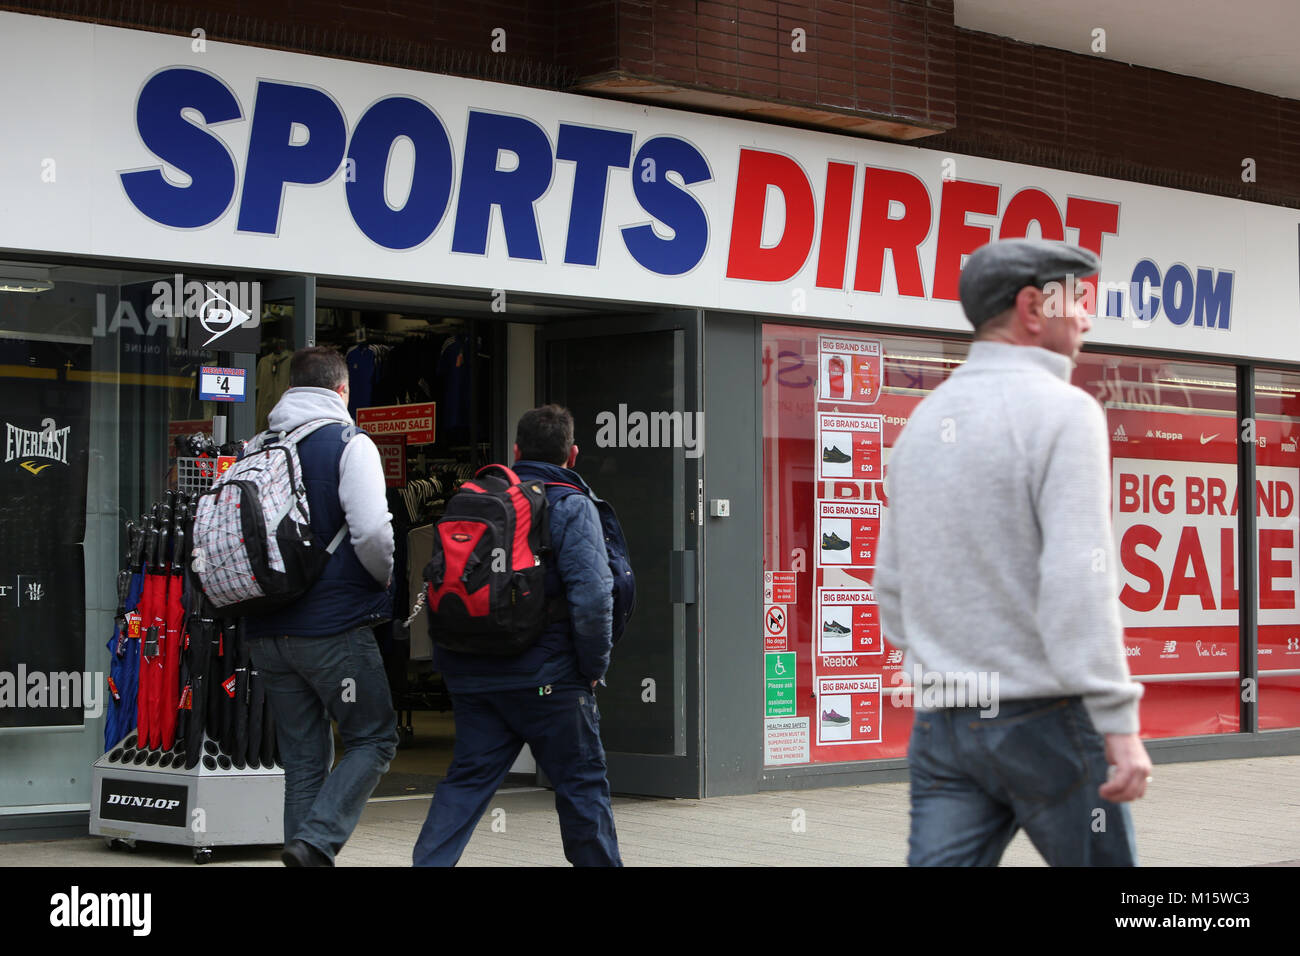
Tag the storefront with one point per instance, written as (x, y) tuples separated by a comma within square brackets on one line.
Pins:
[(741, 316)]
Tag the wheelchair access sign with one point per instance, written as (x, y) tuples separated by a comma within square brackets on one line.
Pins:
[(780, 685)]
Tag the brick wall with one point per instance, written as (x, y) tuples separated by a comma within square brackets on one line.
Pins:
[(1037, 105), (900, 61), (885, 58)]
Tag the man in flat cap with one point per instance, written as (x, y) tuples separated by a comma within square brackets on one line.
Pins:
[(996, 565)]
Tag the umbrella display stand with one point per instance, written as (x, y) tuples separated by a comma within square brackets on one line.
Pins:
[(150, 795), (190, 749)]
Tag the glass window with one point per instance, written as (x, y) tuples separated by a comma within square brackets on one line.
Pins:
[(1174, 506), (1277, 476), (833, 403)]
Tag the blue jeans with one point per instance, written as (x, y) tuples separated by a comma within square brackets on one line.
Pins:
[(563, 729), (1036, 765), (309, 681)]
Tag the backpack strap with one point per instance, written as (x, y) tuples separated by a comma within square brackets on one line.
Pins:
[(349, 432), (507, 473), (565, 484)]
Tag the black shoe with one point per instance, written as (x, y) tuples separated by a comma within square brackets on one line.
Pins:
[(834, 456), (834, 627), (833, 542), (299, 853)]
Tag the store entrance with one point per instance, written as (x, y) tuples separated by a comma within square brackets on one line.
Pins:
[(481, 372), (632, 386), (406, 361)]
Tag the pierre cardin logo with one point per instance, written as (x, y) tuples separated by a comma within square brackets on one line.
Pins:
[(37, 450)]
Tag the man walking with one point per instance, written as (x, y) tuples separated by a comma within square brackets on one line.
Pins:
[(996, 560), (319, 655), (544, 697)]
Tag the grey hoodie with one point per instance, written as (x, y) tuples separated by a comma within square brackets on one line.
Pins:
[(361, 476)]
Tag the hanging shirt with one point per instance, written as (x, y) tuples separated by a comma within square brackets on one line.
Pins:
[(272, 382)]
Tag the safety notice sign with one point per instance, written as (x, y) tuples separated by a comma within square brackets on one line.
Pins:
[(850, 369), (780, 587), (785, 740), (847, 533), (850, 446)]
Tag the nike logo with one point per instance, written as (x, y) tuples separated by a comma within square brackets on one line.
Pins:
[(34, 468), (1206, 441)]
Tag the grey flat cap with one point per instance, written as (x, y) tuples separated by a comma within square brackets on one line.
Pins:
[(995, 272)]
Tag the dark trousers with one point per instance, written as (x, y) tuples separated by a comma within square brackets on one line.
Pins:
[(563, 729), (1037, 765), (309, 681)]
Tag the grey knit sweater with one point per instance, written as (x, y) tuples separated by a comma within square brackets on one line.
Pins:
[(996, 554)]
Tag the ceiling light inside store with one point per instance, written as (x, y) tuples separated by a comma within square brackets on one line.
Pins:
[(24, 279)]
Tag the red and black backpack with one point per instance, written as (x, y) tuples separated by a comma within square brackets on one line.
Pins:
[(485, 584)]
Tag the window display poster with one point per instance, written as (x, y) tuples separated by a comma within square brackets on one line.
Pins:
[(44, 413), (1175, 505), (850, 447), (847, 533), (850, 369)]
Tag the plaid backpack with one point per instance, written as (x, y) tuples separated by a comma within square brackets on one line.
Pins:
[(253, 548)]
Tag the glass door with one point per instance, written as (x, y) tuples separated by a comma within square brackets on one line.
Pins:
[(631, 384)]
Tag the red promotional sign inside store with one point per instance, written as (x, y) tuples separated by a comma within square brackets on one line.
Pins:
[(848, 622), (415, 422), (392, 453), (848, 710), (849, 447), (850, 370), (223, 464), (847, 532)]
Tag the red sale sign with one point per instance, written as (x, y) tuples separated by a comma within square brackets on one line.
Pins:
[(415, 422), (847, 532), (850, 369), (848, 622), (392, 454), (848, 710), (850, 447)]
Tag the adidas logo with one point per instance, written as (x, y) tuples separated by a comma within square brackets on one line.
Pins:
[(1120, 434)]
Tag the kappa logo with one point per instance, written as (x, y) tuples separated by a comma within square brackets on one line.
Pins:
[(50, 442)]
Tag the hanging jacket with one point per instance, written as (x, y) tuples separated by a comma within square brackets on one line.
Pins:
[(344, 478)]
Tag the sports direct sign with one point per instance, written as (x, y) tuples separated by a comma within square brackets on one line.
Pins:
[(254, 159)]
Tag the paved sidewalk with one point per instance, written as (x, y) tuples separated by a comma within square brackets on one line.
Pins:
[(1213, 813)]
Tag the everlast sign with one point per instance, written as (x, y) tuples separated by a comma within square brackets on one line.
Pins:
[(160, 804)]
